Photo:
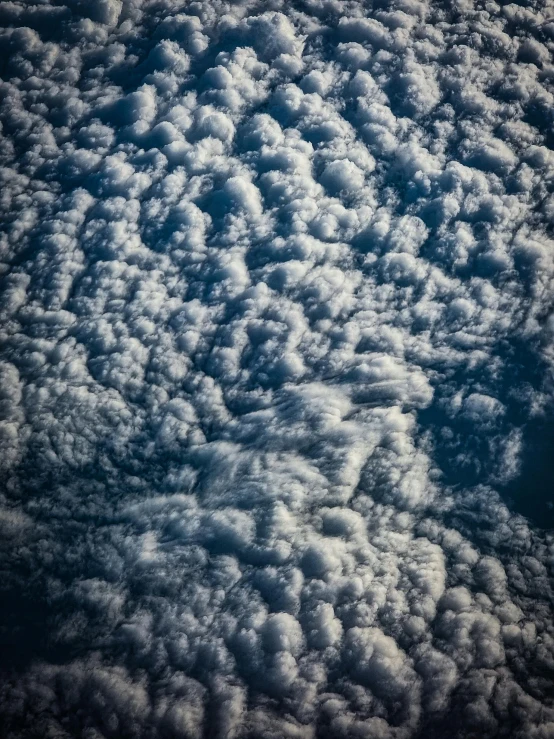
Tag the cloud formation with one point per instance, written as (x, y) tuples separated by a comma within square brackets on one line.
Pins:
[(276, 371)]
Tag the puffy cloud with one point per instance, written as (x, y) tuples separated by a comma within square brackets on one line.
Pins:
[(276, 370)]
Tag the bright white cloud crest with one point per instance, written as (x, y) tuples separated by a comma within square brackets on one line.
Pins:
[(276, 369)]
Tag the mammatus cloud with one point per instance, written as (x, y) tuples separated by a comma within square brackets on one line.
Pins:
[(276, 369)]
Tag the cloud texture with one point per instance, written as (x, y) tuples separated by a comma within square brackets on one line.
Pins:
[(276, 369)]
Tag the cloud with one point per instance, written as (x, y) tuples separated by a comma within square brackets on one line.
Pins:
[(276, 370)]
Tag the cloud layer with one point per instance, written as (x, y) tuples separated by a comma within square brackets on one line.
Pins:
[(276, 371)]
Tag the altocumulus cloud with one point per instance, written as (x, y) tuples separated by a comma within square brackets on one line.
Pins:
[(276, 369)]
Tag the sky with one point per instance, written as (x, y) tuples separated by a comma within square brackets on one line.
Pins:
[(276, 369)]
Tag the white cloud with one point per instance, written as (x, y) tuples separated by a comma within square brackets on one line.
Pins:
[(275, 287)]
